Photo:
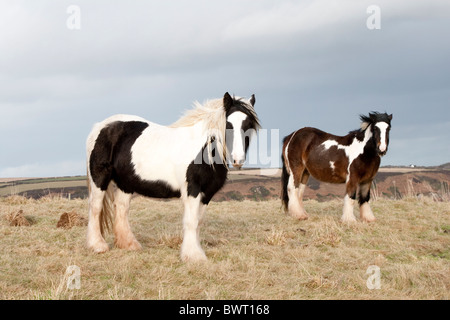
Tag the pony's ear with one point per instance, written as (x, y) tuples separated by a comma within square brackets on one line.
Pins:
[(390, 117), (227, 101), (252, 100)]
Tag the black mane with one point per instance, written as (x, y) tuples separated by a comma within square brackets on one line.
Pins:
[(375, 117)]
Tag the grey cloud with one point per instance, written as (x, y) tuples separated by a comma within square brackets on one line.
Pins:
[(309, 63)]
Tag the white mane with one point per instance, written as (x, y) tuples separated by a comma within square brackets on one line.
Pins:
[(212, 114), (364, 125)]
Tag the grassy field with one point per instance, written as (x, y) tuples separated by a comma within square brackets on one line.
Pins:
[(255, 252)]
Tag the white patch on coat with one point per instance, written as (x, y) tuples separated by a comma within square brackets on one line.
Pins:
[(383, 132), (164, 153), (330, 143), (332, 165), (352, 151)]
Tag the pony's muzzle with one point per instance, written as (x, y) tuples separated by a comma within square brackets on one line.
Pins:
[(382, 149), (238, 164)]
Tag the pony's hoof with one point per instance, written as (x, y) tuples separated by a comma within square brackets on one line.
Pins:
[(135, 246), (194, 257), (128, 245), (369, 220), (302, 217), (298, 214), (99, 248)]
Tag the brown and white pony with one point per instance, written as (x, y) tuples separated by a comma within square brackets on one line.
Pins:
[(353, 159)]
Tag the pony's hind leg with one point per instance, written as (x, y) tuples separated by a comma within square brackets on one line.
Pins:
[(190, 248), (95, 240), (301, 190), (124, 237), (365, 211), (295, 193)]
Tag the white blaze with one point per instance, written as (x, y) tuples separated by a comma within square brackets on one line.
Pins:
[(238, 153), (383, 129)]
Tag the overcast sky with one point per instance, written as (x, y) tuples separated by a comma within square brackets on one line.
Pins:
[(309, 63)]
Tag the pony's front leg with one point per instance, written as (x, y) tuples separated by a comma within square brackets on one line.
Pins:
[(365, 211), (190, 248), (200, 217), (349, 202)]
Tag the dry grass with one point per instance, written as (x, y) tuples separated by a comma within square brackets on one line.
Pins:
[(71, 219), (17, 219), (254, 251)]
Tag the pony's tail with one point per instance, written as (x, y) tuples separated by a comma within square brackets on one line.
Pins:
[(284, 180), (284, 183), (107, 212), (106, 215)]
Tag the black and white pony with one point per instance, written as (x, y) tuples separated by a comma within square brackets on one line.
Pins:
[(127, 154), (353, 159)]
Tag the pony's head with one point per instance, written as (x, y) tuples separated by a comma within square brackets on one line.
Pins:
[(242, 122), (380, 124)]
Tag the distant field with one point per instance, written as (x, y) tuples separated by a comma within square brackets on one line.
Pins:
[(255, 251), (43, 186)]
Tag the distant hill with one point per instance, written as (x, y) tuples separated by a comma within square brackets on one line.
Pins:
[(391, 182), (263, 184), (445, 166)]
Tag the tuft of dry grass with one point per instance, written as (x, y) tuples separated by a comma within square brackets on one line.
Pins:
[(18, 219), (255, 251), (276, 238), (71, 219), (172, 241)]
